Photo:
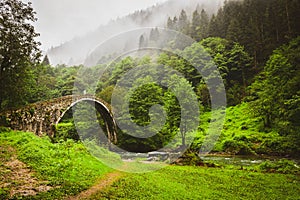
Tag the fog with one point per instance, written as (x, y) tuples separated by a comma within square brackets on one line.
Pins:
[(83, 35), (62, 20)]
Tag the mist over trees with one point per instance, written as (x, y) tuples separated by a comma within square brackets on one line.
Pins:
[(75, 51)]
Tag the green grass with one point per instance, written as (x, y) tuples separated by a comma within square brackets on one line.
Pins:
[(177, 182), (244, 134), (70, 168), (67, 166)]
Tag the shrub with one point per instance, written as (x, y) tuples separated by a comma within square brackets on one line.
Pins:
[(279, 146), (4, 193), (65, 131), (281, 166), (4, 129), (189, 158), (237, 147)]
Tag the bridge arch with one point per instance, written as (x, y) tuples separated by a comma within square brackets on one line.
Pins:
[(41, 117), (104, 111)]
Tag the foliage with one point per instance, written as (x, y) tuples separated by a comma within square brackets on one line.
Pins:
[(141, 102), (81, 122), (280, 80), (282, 166), (18, 52), (243, 134), (188, 158), (259, 26), (234, 65), (239, 39), (143, 97), (237, 147), (65, 131)]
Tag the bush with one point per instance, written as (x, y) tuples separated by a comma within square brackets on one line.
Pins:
[(4, 193), (4, 129), (237, 147), (282, 166), (189, 158), (65, 131), (279, 146)]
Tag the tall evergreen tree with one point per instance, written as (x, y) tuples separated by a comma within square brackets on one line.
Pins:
[(183, 23), (142, 42), (234, 32), (46, 60), (175, 23), (195, 26), (204, 24), (154, 34), (170, 24)]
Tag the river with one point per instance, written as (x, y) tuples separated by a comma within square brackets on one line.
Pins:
[(217, 159)]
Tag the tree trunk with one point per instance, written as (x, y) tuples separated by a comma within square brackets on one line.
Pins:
[(288, 19), (244, 82)]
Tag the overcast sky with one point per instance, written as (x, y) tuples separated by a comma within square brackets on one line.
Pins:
[(62, 20)]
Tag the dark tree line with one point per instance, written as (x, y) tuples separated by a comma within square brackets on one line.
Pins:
[(260, 26)]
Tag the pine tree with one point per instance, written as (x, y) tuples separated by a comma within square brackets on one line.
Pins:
[(183, 23), (46, 60), (142, 42), (175, 23), (170, 24), (234, 32), (204, 24), (154, 34), (195, 26)]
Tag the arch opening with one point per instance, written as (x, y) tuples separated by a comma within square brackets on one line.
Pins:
[(86, 118)]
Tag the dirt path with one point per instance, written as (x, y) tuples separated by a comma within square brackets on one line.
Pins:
[(105, 182), (17, 177)]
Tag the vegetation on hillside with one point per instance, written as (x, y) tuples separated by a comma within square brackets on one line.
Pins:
[(67, 167)]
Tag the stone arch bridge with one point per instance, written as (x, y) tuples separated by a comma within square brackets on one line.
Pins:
[(41, 117)]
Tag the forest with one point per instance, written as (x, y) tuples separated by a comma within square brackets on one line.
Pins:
[(254, 44)]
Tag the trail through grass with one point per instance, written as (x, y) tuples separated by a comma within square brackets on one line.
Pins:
[(67, 167), (102, 184)]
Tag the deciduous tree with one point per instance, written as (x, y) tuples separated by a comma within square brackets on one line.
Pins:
[(18, 52)]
